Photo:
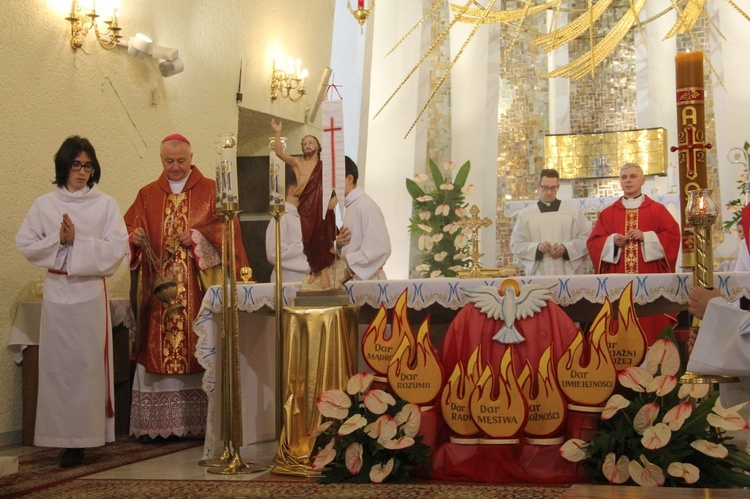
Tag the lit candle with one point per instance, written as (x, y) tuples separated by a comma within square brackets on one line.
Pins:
[(361, 4), (276, 175), (689, 69)]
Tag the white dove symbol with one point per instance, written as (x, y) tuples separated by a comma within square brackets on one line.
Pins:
[(508, 308)]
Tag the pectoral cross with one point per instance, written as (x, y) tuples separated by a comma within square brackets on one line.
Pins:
[(474, 223)]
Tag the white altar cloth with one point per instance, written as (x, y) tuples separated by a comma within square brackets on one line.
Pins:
[(257, 344)]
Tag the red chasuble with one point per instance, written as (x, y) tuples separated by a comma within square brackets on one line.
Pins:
[(169, 345), (745, 221), (650, 216), (318, 235)]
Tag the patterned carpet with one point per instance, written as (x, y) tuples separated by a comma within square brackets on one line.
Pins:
[(39, 476), (40, 471), (291, 489)]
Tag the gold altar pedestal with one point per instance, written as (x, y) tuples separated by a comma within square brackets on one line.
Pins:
[(319, 354)]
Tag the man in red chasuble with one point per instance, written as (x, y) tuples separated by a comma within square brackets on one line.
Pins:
[(636, 235), (174, 233)]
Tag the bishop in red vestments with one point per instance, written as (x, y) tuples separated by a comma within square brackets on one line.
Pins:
[(174, 220), (636, 235)]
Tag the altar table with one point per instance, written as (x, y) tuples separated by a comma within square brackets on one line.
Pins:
[(581, 296)]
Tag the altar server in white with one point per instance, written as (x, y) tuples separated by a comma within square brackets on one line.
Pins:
[(363, 240), (294, 266), (549, 238), (78, 234)]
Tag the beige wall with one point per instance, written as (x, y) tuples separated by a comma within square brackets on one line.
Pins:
[(50, 91)]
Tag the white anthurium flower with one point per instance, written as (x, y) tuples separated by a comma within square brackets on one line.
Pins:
[(422, 268), (439, 257), (574, 450), (710, 449), (694, 390), (461, 240), (420, 177), (468, 189), (662, 385), (676, 416), (647, 475), (616, 472), (449, 165), (656, 437), (436, 238), (436, 273), (425, 215), (461, 212), (424, 199), (425, 228), (688, 472), (727, 419), (614, 404), (442, 209), (425, 242), (448, 186), (645, 417), (635, 378)]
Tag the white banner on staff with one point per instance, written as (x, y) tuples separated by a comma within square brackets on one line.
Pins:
[(333, 152)]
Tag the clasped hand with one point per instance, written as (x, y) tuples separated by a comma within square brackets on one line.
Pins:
[(67, 230), (554, 250), (139, 237), (632, 235)]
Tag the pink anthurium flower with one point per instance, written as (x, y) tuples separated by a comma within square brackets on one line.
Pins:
[(657, 436), (710, 448), (616, 472), (688, 472), (442, 209), (677, 415), (352, 424), (384, 428), (420, 177), (334, 404), (663, 353), (325, 456), (409, 419), (635, 378), (449, 165), (574, 450), (662, 385), (377, 401), (359, 383), (648, 475), (614, 404), (424, 199), (353, 458), (448, 186), (317, 431), (694, 390), (645, 417), (398, 443), (425, 242), (728, 419), (379, 472)]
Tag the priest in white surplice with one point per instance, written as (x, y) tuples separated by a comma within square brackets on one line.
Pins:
[(363, 240), (294, 266), (78, 234), (549, 238)]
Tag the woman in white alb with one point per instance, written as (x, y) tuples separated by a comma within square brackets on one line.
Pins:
[(78, 234)]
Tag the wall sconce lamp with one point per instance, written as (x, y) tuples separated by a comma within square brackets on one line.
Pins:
[(139, 46), (81, 22), (361, 14), (170, 64), (290, 82)]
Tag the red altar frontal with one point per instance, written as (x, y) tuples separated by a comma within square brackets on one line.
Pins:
[(485, 454)]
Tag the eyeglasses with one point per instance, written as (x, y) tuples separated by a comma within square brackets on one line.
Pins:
[(87, 167), (549, 188)]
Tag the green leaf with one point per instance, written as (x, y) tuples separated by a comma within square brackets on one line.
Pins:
[(414, 189), (437, 176), (462, 175)]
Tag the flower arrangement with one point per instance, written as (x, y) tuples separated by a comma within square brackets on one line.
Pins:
[(662, 434), (735, 205), (370, 436), (438, 204)]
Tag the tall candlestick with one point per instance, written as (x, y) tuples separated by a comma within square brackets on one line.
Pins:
[(691, 131)]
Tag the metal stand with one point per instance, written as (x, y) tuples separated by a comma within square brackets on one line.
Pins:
[(230, 462), (277, 211)]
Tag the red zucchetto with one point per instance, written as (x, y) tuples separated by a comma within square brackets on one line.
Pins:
[(176, 136)]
